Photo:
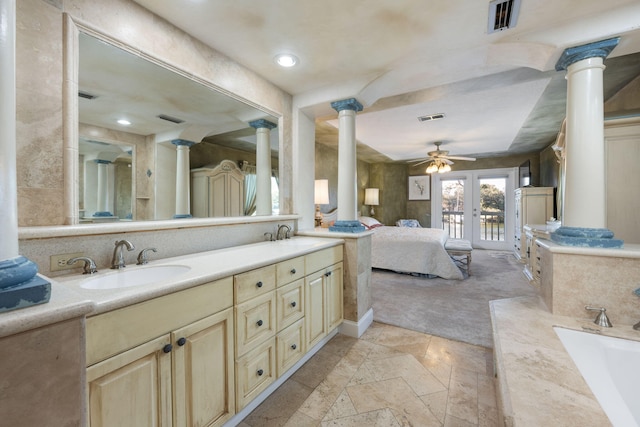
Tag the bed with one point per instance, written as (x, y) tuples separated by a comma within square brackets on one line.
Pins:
[(411, 250)]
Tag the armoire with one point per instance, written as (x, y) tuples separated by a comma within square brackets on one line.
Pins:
[(217, 191)]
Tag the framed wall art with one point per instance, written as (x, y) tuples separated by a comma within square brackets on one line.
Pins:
[(420, 187)]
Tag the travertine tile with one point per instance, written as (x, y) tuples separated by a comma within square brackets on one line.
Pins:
[(408, 368), (381, 418), (280, 406), (463, 395), (437, 403), (324, 396), (343, 407)]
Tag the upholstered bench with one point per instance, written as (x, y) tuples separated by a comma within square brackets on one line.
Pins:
[(460, 248)]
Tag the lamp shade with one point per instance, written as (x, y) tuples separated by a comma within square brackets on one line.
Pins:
[(321, 192), (371, 196)]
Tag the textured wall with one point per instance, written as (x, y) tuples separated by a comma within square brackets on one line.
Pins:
[(391, 179)]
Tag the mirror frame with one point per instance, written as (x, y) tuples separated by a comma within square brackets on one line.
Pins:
[(70, 133)]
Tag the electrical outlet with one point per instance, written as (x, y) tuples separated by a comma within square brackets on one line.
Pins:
[(59, 262)]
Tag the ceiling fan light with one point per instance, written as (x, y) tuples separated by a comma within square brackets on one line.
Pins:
[(447, 168), (433, 167)]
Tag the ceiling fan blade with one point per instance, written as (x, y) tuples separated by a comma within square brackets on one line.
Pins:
[(471, 159), (446, 160), (421, 162)]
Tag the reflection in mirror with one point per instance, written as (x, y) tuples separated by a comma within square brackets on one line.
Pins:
[(129, 101), (105, 181)]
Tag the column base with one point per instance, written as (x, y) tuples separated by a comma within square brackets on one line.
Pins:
[(347, 227), (101, 214), (20, 287), (586, 237), (180, 216)]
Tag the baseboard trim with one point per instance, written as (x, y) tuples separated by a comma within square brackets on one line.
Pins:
[(356, 329)]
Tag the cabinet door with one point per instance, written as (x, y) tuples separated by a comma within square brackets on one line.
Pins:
[(132, 388), (333, 277), (255, 322), (315, 312), (289, 304), (204, 392), (255, 371)]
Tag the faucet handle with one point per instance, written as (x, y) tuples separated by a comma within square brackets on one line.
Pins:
[(601, 318), (142, 256), (270, 235), (89, 265)]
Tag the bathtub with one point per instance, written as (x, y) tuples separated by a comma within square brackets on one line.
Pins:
[(611, 368)]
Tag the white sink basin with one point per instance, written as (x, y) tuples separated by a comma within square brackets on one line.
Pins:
[(137, 276), (297, 241)]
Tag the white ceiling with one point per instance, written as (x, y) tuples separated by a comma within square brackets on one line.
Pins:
[(407, 58)]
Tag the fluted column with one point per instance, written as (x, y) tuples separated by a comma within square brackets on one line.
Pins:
[(19, 285), (347, 220), (263, 166), (183, 199), (102, 200), (584, 204)]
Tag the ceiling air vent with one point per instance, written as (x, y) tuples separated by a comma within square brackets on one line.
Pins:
[(170, 119), (503, 14), (431, 117), (86, 95)]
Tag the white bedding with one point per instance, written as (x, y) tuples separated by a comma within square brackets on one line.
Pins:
[(413, 250)]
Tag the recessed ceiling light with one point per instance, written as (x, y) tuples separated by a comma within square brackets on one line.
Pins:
[(124, 122), (286, 60)]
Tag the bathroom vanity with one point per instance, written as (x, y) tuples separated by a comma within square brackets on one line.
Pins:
[(213, 341)]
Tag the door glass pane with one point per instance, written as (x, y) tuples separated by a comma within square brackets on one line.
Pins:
[(453, 207), (492, 203)]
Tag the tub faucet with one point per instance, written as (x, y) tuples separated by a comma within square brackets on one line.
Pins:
[(117, 261), (287, 230)]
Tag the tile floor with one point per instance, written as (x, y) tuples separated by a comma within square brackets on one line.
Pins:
[(389, 377)]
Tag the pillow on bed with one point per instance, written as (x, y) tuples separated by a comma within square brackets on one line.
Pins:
[(369, 223), (413, 223)]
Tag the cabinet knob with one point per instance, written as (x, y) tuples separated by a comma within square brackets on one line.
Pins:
[(327, 274), (293, 346), (293, 304), (260, 372), (259, 284), (293, 271), (259, 322), (182, 341), (167, 348)]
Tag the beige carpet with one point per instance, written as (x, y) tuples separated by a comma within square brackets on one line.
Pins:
[(454, 309)]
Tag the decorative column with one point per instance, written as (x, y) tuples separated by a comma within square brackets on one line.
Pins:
[(102, 200), (347, 220), (263, 166), (19, 285), (183, 209), (584, 204)]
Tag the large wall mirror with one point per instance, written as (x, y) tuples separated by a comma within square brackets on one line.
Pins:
[(130, 109)]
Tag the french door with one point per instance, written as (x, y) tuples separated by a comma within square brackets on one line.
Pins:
[(475, 205)]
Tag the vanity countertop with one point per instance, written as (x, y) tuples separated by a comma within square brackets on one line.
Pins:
[(204, 267), (539, 384)]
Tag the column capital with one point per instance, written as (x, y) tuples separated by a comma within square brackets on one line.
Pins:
[(102, 162), (347, 104), (262, 123), (182, 143), (574, 54)]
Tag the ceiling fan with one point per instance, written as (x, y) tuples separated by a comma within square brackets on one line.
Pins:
[(440, 160)]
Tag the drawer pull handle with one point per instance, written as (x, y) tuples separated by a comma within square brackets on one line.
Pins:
[(182, 341), (293, 346), (259, 322), (293, 271), (259, 284), (293, 304), (260, 372), (167, 348), (327, 274)]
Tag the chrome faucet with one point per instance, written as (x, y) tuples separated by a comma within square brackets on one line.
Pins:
[(89, 264), (142, 256), (287, 231), (117, 261), (601, 318)]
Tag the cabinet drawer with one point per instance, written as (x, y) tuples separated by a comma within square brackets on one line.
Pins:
[(290, 345), (113, 332), (289, 270), (254, 372), (289, 304), (253, 283), (321, 259), (255, 322)]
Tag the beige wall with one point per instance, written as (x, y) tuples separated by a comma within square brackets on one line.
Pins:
[(40, 88)]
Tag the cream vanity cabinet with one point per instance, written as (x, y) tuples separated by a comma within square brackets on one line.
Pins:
[(323, 287), (166, 361), (533, 205), (533, 264)]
